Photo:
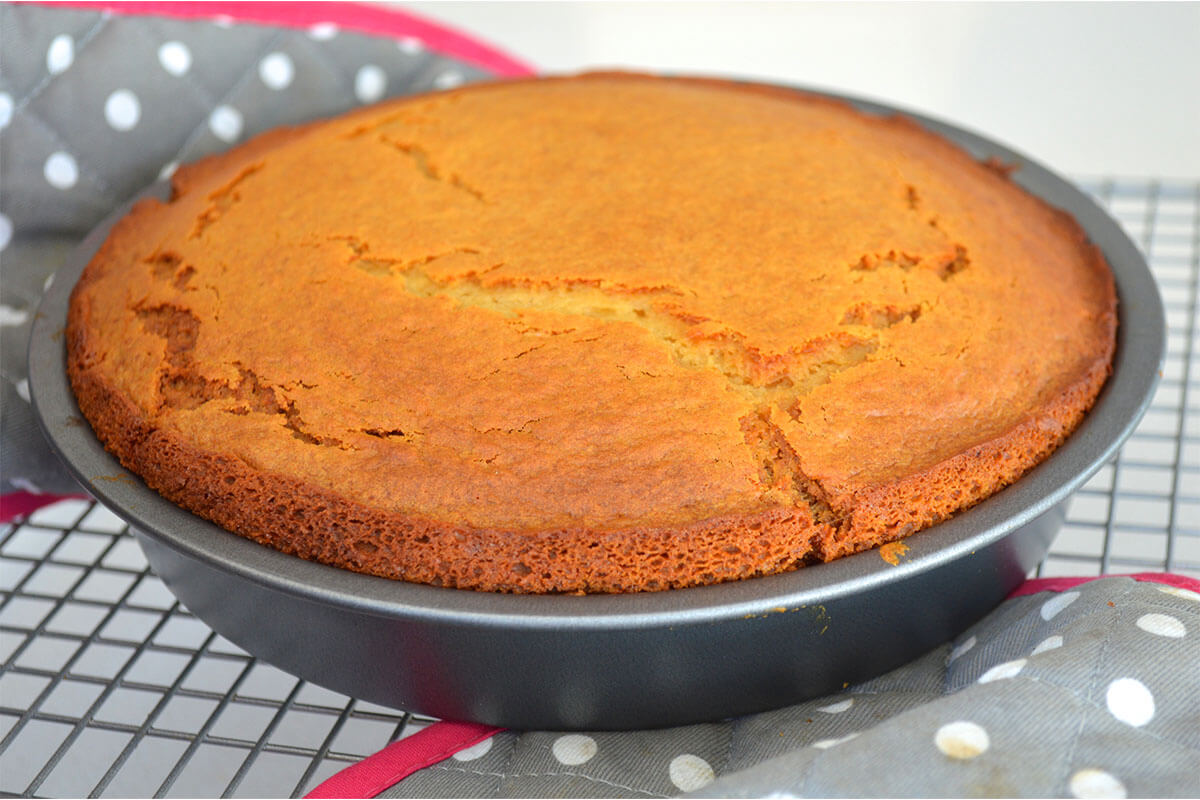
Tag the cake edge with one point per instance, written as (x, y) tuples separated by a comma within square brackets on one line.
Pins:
[(319, 525)]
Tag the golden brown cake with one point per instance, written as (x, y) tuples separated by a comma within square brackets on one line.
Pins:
[(598, 334)]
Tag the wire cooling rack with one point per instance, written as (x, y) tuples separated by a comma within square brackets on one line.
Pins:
[(110, 688)]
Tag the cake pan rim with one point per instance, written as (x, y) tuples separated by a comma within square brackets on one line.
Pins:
[(1122, 402)]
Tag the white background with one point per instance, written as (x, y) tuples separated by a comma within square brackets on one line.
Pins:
[(1089, 89)]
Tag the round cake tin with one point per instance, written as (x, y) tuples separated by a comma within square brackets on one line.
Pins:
[(623, 661)]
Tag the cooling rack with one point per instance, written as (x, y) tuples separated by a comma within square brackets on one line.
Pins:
[(109, 687)]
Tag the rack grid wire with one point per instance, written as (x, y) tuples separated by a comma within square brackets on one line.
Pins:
[(109, 687)]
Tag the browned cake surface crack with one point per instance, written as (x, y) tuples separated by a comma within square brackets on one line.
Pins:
[(182, 386), (780, 467), (430, 170), (600, 334), (221, 200), (760, 377)]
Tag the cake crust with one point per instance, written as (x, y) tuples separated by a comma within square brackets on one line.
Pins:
[(600, 334)]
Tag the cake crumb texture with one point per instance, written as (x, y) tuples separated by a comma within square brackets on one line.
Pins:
[(596, 334)]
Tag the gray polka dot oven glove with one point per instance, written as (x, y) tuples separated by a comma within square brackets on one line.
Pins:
[(95, 107), (1090, 691)]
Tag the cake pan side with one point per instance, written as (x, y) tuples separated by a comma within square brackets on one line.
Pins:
[(632, 661), (585, 676)]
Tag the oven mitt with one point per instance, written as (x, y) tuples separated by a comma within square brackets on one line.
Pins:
[(1068, 689), (95, 106)]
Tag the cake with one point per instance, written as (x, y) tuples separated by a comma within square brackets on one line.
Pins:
[(600, 333)]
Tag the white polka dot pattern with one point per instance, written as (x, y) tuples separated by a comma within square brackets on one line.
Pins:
[(1088, 783), (839, 707), (1162, 625), (323, 31), (574, 749), (1049, 643), (825, 744), (60, 54), (1009, 669), (961, 649), (689, 772), (1176, 591), (370, 82), (12, 316), (1054, 606), (410, 45), (61, 170), (122, 110), (962, 740), (1130, 701), (448, 80), (175, 58), (226, 123), (276, 71), (474, 751)]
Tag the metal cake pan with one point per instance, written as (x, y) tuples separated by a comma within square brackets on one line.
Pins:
[(623, 661)]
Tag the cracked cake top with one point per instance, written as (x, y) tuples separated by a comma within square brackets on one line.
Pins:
[(604, 333)]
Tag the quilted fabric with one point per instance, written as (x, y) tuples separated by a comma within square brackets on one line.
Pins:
[(95, 107)]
